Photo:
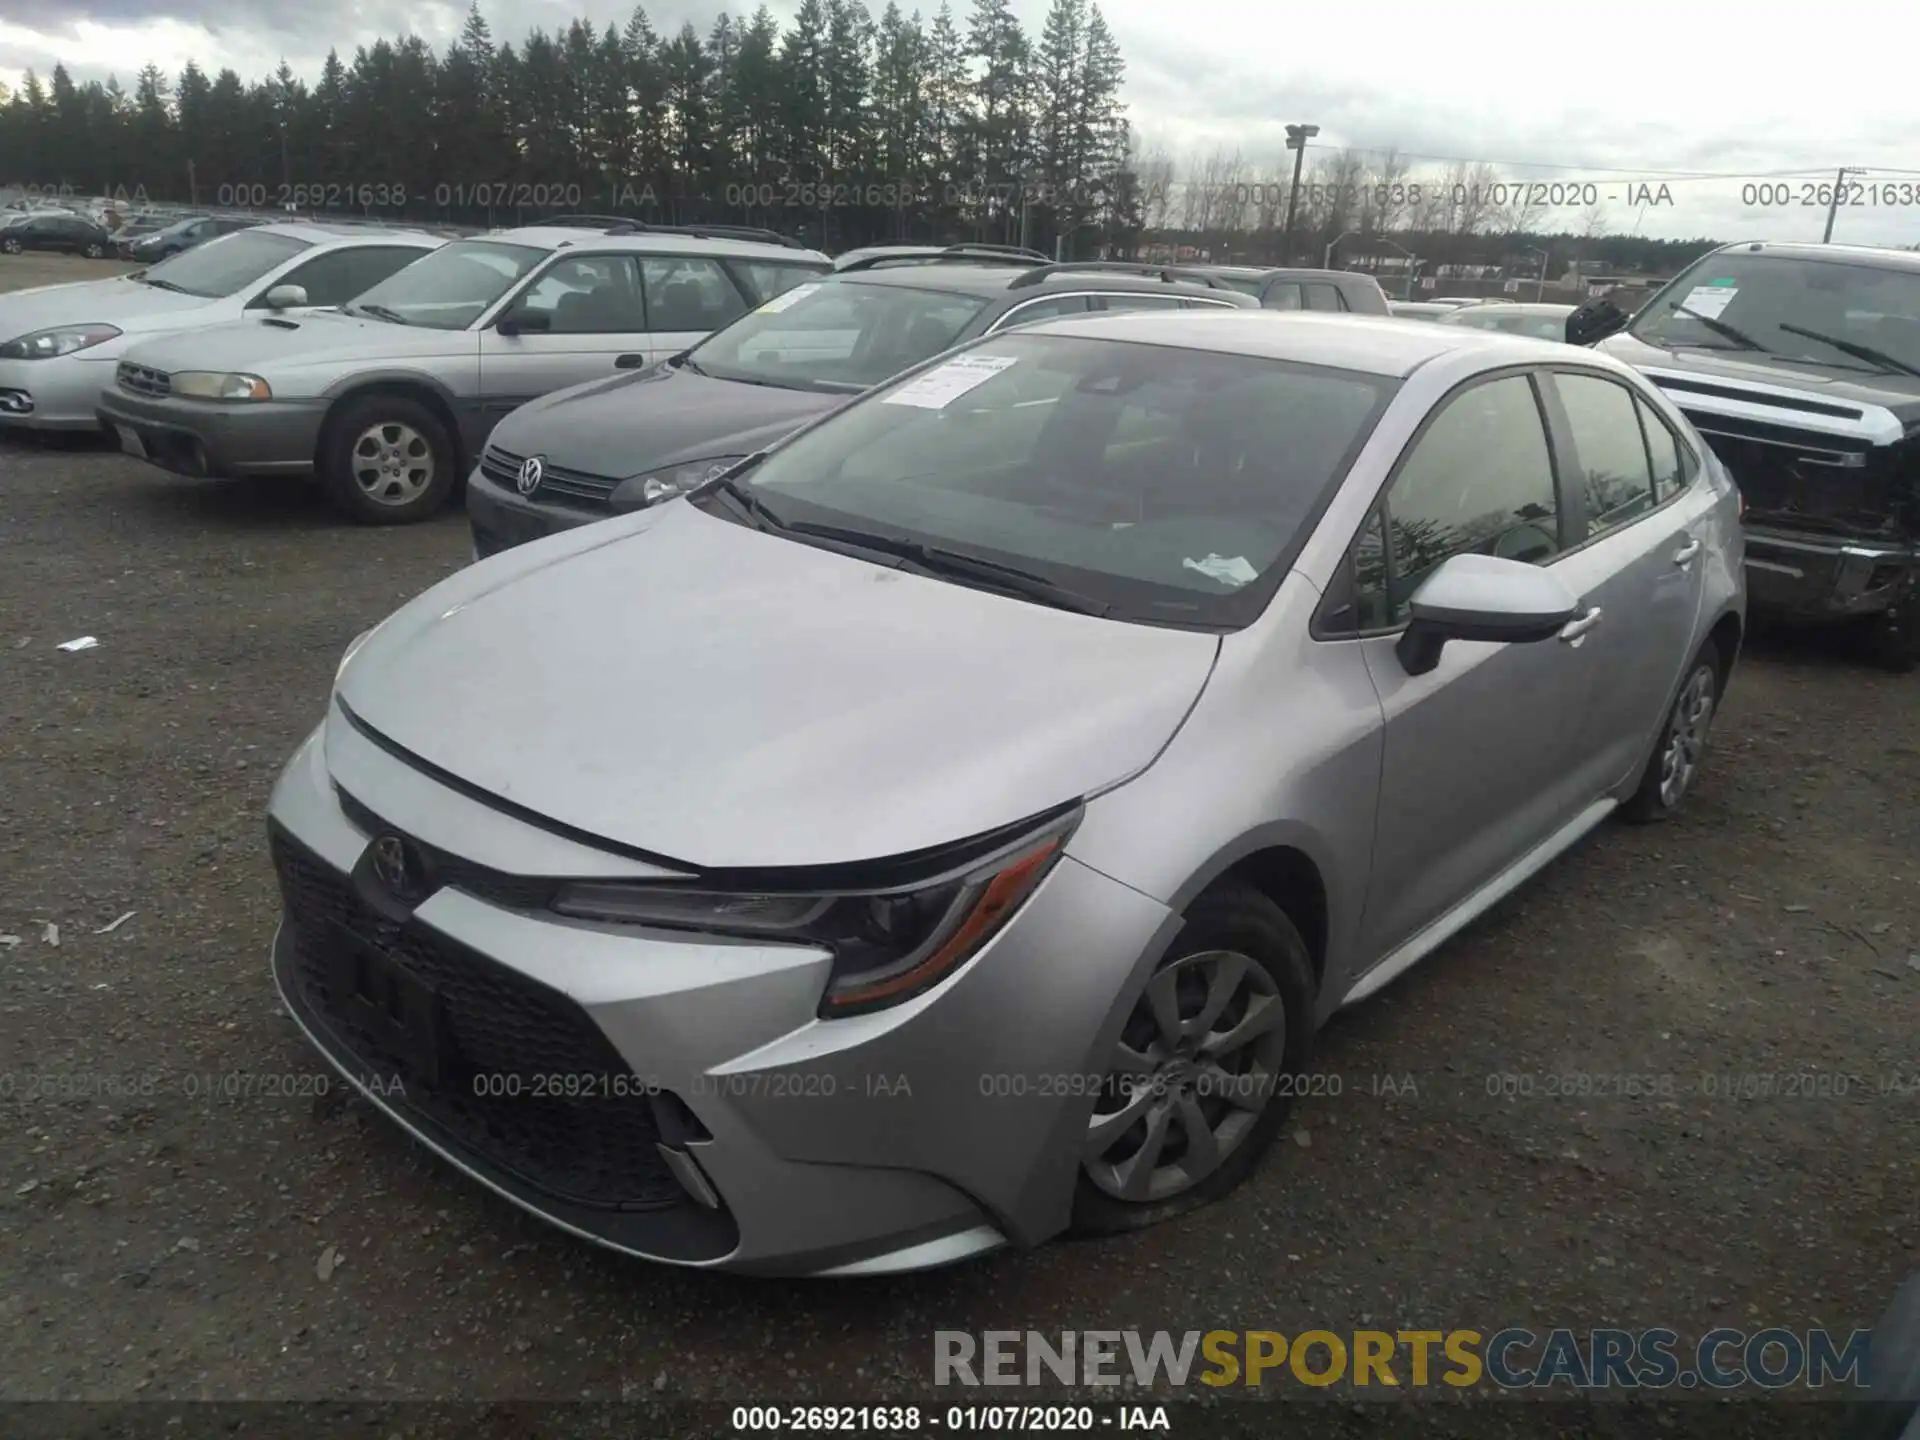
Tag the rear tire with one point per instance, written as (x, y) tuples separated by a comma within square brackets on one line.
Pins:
[(1238, 959), (93, 251), (387, 460), (1675, 763), (10, 245)]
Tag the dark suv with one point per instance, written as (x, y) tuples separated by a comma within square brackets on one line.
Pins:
[(634, 440), (1800, 365)]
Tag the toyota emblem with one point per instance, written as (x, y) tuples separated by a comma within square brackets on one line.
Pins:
[(531, 470), (388, 857)]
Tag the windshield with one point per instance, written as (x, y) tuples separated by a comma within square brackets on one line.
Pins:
[(1160, 482), (223, 266), (837, 335), (451, 287), (1756, 294)]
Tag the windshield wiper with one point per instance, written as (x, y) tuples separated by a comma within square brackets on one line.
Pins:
[(146, 279), (742, 496), (379, 312), (1888, 363), (954, 565), (1721, 327)]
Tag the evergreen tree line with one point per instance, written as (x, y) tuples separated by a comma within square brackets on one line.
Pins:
[(842, 128)]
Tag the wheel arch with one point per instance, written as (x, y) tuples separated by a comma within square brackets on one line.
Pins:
[(1282, 867), (409, 385)]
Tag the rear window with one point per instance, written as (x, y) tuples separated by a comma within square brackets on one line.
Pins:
[(223, 266), (837, 334)]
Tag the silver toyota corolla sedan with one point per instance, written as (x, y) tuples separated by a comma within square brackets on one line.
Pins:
[(951, 826)]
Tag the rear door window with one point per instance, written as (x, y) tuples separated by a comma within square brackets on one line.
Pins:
[(1283, 296), (1322, 296), (1609, 450)]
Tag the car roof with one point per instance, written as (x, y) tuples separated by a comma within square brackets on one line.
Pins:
[(1877, 255), (1529, 307), (320, 233), (555, 237), (1370, 344), (991, 281)]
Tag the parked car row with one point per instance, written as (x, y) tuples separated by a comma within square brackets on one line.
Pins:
[(594, 339)]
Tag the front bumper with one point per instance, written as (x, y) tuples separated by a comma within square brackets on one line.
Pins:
[(213, 439), (58, 394), (500, 519), (1815, 577), (910, 1137)]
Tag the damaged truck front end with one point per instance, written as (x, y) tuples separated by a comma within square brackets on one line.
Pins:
[(1800, 366)]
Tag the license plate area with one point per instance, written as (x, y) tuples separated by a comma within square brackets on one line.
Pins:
[(400, 1014), (131, 442)]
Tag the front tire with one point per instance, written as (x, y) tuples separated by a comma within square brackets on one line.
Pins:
[(1206, 1068), (10, 245), (387, 460), (93, 251), (1895, 637), (1675, 763)]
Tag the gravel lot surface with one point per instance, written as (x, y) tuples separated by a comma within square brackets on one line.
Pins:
[(167, 1246)]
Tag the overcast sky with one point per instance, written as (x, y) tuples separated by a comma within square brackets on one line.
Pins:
[(1707, 97)]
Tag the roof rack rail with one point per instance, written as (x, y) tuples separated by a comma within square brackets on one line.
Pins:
[(1000, 254), (1166, 274), (706, 232)]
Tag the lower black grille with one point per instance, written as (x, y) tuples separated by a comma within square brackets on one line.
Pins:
[(525, 1080), (144, 380), (575, 488)]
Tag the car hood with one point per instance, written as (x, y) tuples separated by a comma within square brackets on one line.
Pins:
[(118, 301), (640, 421), (258, 346), (1897, 393), (719, 697)]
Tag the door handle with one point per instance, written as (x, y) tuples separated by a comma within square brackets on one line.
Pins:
[(1684, 555), (1573, 630)]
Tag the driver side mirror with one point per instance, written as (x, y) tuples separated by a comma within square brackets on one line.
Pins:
[(523, 322), (1483, 597), (285, 297), (1595, 321)]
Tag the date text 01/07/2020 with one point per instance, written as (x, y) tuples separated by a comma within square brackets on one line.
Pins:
[(958, 1419)]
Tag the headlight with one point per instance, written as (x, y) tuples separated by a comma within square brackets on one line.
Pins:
[(888, 945), (218, 385), (61, 340), (657, 485)]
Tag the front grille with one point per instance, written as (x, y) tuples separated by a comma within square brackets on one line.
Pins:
[(1804, 477), (144, 380), (594, 1149), (574, 488), (443, 868)]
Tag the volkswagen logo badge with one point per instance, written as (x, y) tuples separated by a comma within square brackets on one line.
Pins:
[(531, 469), (388, 857)]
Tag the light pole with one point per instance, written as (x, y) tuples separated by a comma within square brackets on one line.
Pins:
[(1326, 259), (1539, 285), (1839, 184), (1413, 264), (1297, 137)]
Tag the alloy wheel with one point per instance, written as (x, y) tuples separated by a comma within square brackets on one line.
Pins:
[(1198, 1061), (1686, 736), (392, 463)]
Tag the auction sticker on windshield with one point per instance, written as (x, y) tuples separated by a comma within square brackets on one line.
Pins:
[(786, 298), (1710, 300), (942, 385)]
